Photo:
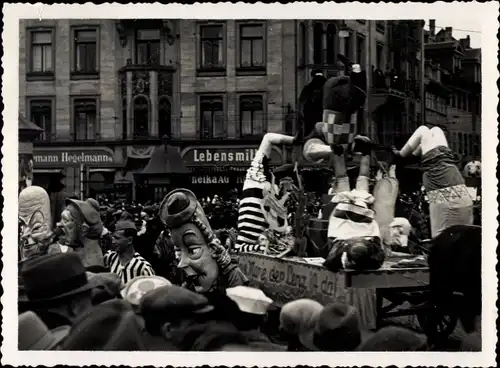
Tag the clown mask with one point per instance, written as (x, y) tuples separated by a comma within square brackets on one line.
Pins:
[(196, 258), (34, 221)]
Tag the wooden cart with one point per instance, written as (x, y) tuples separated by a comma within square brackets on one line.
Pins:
[(397, 295)]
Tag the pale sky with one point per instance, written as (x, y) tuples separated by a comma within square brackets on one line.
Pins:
[(461, 28)]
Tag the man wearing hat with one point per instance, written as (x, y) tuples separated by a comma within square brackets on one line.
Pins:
[(204, 260), (123, 260), (82, 228), (57, 288)]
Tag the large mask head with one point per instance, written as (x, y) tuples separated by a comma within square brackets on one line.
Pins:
[(34, 221), (193, 237), (79, 220)]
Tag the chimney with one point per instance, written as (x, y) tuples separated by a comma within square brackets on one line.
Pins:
[(448, 32), (432, 27)]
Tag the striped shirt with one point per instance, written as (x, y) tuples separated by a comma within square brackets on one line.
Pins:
[(251, 220), (137, 266)]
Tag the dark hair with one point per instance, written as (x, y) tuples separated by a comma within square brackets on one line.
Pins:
[(130, 233)]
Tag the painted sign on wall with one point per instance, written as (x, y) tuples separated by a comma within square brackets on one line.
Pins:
[(65, 158), (224, 155)]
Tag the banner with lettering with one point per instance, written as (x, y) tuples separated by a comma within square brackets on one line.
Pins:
[(284, 280)]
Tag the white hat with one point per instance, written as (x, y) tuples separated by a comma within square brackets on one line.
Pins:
[(249, 299), (139, 286)]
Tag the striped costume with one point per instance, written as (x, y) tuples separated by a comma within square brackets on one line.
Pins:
[(251, 218), (137, 266)]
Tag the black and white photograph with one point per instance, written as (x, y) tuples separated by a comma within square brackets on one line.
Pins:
[(237, 178)]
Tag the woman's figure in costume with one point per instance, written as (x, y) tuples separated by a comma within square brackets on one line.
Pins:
[(261, 206), (204, 260), (449, 201)]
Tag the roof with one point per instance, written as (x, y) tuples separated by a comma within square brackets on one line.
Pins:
[(473, 54), (444, 44), (165, 160), (25, 124)]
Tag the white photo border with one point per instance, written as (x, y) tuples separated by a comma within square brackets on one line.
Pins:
[(487, 13)]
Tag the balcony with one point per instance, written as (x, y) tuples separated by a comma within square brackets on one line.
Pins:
[(387, 88), (124, 27), (146, 93)]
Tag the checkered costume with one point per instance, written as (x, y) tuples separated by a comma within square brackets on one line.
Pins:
[(338, 128)]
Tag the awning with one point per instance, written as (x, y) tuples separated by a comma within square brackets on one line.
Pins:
[(165, 160)]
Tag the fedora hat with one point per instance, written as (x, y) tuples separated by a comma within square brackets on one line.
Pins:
[(337, 328), (52, 277), (178, 207), (90, 214), (35, 335)]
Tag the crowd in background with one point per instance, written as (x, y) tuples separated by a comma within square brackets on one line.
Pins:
[(145, 305)]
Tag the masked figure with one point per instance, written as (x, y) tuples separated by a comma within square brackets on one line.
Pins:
[(82, 227), (261, 206), (342, 97), (204, 260), (35, 222), (449, 200)]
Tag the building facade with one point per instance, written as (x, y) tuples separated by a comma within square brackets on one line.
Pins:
[(129, 105), (454, 99)]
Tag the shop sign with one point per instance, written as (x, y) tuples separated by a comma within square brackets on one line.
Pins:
[(207, 179), (214, 179), (65, 158), (225, 156)]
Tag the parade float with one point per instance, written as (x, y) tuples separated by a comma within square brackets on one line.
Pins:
[(397, 288)]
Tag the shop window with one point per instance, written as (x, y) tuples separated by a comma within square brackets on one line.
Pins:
[(252, 46), (251, 116), (41, 114), (164, 118), (347, 47), (318, 43), (124, 119), (302, 45), (85, 119), (85, 52), (141, 117), (331, 39), (211, 117), (211, 47), (147, 46), (380, 26), (380, 56), (360, 49), (41, 53), (460, 143)]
